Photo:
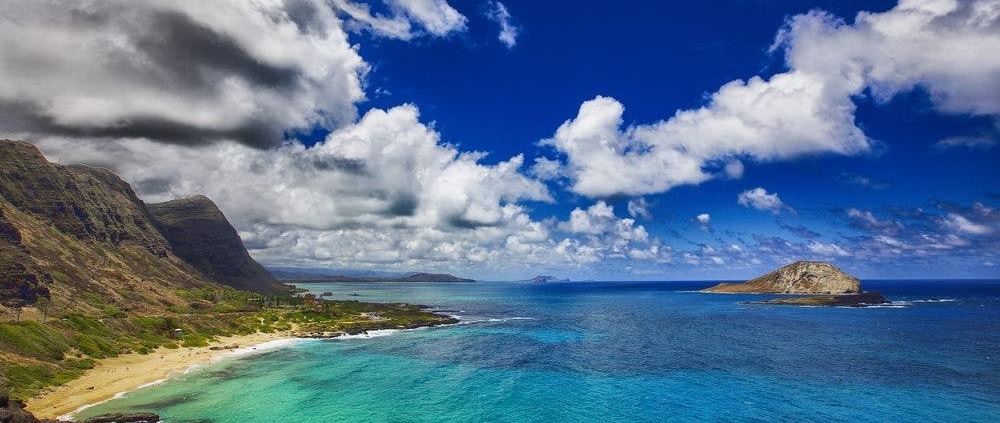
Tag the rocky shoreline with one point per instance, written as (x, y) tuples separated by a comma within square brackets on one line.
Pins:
[(13, 411), (863, 299), (446, 320)]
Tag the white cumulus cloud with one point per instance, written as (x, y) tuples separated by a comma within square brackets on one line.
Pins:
[(383, 193), (760, 199), (943, 47), (386, 170), (185, 98)]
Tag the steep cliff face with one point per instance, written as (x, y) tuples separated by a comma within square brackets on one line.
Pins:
[(20, 277), (199, 233), (80, 236), (91, 204), (801, 277)]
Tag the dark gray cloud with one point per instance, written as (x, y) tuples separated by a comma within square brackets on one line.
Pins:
[(403, 205), (306, 15), (352, 166), (185, 73), (20, 117), (199, 57)]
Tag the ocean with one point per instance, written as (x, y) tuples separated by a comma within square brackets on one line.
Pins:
[(617, 351)]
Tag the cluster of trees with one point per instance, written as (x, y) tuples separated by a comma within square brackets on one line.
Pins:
[(15, 307)]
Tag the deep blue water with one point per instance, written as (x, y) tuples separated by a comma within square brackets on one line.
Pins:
[(619, 351)]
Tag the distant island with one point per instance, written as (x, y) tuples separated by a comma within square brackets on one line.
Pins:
[(415, 277), (545, 279), (806, 278), (801, 277)]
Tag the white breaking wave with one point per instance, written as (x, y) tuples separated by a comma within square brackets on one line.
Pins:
[(252, 349), (378, 333), (473, 320)]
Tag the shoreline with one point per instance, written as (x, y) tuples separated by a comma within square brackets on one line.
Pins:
[(115, 376)]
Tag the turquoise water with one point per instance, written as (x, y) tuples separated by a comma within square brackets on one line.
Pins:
[(642, 352)]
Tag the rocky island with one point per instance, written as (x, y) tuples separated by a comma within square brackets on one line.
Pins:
[(806, 278), (801, 277)]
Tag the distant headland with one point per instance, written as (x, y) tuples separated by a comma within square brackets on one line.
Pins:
[(413, 277), (545, 279)]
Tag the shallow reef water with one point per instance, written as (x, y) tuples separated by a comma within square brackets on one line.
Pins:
[(618, 351)]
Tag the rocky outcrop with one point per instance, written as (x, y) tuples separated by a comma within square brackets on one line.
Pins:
[(801, 277), (863, 299), (199, 233), (12, 411)]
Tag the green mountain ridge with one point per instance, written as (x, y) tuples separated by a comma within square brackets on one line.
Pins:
[(76, 230)]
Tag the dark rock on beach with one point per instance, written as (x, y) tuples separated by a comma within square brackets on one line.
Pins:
[(124, 418), (12, 411)]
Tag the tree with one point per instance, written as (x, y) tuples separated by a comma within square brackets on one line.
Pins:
[(42, 304), (17, 305)]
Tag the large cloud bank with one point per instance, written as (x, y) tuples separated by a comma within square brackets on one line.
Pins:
[(936, 45), (185, 98)]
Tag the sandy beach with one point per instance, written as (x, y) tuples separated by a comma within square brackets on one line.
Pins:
[(131, 371)]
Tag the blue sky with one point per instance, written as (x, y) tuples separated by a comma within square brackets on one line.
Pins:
[(639, 140)]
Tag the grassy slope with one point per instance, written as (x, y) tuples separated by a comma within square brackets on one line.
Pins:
[(34, 355), (90, 276), (110, 299)]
